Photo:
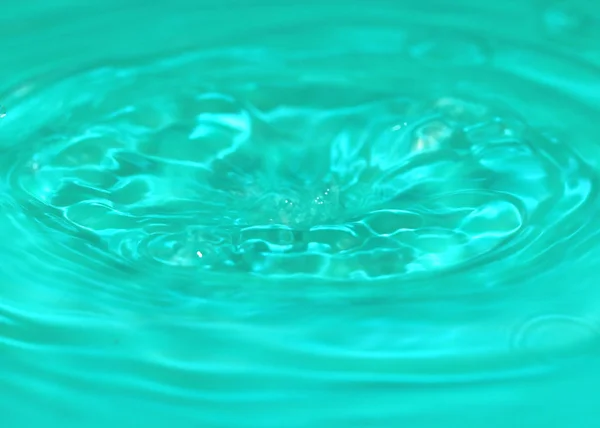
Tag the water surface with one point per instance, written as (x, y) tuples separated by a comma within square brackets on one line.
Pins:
[(340, 214)]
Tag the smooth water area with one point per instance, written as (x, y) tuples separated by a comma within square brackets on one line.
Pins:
[(329, 214)]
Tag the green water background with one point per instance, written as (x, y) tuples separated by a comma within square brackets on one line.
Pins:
[(120, 350)]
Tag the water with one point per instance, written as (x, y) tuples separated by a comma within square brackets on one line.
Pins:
[(342, 214)]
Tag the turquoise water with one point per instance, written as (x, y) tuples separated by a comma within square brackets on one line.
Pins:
[(334, 214)]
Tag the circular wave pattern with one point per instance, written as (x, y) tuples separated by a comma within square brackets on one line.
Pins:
[(149, 206), (205, 161)]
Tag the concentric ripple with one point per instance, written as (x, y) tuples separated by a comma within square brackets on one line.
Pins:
[(232, 161), (320, 217)]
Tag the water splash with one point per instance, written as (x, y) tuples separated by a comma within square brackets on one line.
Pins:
[(306, 216), (260, 179)]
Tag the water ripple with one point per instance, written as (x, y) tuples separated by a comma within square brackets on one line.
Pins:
[(393, 207), (165, 164)]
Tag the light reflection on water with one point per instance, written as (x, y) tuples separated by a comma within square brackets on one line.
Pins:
[(299, 216)]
